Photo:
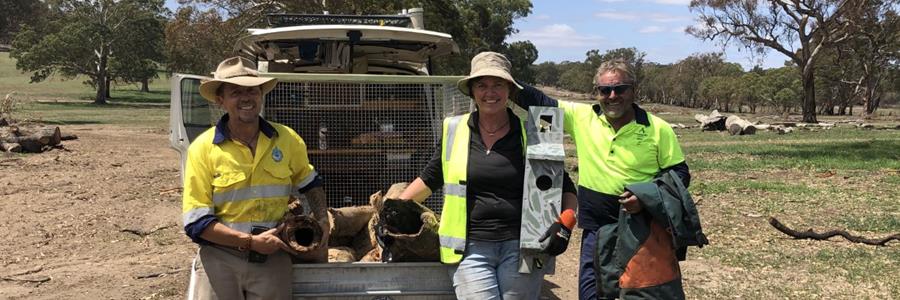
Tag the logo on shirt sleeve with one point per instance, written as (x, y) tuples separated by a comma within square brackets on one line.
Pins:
[(276, 154)]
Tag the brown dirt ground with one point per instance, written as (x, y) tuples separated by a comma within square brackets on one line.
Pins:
[(66, 217)]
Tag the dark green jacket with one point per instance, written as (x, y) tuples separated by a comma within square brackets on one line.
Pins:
[(637, 258)]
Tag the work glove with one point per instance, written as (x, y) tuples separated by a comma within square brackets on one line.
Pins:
[(556, 239), (558, 235)]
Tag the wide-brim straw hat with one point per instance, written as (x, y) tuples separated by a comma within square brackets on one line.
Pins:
[(488, 64), (239, 71)]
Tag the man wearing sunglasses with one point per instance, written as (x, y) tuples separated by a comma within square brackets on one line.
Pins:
[(617, 144)]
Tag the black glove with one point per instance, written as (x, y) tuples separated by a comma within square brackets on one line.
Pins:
[(558, 236)]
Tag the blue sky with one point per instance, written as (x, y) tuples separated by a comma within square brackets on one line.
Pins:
[(567, 29)]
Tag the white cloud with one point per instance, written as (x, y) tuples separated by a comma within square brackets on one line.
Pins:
[(616, 15), (679, 29), (652, 29), (666, 18), (557, 36), (640, 16)]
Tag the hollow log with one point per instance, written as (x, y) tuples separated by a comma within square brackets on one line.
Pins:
[(738, 126), (348, 221), (305, 235), (350, 229), (407, 231)]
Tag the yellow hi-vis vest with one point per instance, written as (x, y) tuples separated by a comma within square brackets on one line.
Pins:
[(454, 161)]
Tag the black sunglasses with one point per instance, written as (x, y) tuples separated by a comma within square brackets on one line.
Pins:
[(607, 89)]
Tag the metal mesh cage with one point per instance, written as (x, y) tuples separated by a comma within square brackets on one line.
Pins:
[(363, 132)]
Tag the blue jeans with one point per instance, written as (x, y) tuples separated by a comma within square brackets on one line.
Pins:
[(490, 270)]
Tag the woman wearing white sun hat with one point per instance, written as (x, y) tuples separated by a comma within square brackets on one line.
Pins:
[(480, 165)]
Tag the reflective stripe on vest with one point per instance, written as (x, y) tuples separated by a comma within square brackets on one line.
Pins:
[(455, 152)]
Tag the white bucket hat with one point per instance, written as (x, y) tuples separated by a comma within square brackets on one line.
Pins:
[(487, 64), (236, 70)]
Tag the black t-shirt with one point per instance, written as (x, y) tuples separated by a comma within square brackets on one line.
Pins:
[(494, 183)]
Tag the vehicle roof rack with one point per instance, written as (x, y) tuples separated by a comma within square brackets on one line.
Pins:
[(284, 20)]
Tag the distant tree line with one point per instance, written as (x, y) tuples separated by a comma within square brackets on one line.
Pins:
[(841, 52), (849, 53)]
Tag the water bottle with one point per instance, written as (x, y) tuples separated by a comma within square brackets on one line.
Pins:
[(323, 144)]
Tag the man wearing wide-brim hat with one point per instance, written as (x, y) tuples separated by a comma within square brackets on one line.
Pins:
[(238, 178)]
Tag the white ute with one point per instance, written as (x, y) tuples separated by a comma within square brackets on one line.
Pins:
[(357, 89)]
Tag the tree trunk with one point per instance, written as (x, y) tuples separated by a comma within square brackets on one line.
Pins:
[(108, 85), (871, 96), (809, 95), (102, 77), (145, 85)]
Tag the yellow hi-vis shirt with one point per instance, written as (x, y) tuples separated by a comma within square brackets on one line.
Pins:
[(224, 180), (610, 160)]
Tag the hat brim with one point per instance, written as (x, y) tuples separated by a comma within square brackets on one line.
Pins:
[(463, 84), (208, 88)]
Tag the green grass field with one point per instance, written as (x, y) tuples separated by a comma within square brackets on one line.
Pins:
[(843, 178), (59, 101)]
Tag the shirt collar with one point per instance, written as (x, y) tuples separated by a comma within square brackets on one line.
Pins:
[(640, 115), (513, 121), (223, 134)]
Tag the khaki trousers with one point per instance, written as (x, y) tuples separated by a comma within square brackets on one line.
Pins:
[(225, 274)]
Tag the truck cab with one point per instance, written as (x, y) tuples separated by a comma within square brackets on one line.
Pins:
[(358, 90)]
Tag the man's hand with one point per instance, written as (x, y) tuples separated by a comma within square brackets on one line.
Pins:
[(559, 239), (268, 242), (630, 203)]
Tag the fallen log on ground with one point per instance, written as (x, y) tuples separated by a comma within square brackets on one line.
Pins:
[(810, 234), (780, 129), (712, 122), (815, 125), (32, 138), (738, 126)]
